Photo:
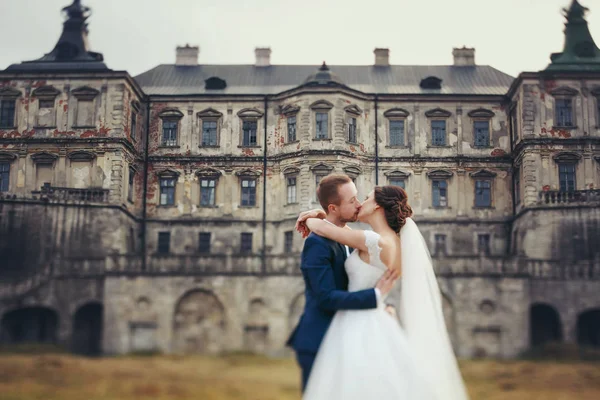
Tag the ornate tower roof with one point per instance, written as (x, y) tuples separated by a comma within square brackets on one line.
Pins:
[(323, 77), (72, 50), (580, 52)]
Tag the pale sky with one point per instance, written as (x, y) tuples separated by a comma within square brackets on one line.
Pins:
[(136, 35)]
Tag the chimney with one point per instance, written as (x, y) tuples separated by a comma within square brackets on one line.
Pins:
[(263, 56), (464, 56), (382, 57), (187, 55)]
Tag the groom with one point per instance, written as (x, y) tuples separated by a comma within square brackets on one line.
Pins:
[(324, 275)]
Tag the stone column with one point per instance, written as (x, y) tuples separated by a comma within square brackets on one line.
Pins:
[(461, 209), (459, 130), (530, 180), (417, 132)]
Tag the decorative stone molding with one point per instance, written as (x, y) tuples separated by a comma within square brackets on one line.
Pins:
[(170, 113), (44, 158), (85, 93), (46, 93), (81, 155), (353, 109), (250, 113), (209, 113), (564, 91), (289, 110), (136, 106), (7, 157), (481, 113), (440, 174), (167, 173), (396, 113), (321, 169), (483, 173), (397, 174), (248, 173), (566, 157), (9, 93), (289, 171), (208, 173), (438, 113), (352, 171), (321, 105)]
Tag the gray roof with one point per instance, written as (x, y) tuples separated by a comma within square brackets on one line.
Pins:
[(396, 79)]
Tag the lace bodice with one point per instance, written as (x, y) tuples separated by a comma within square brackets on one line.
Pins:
[(360, 274)]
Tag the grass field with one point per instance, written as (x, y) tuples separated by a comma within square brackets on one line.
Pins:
[(234, 377)]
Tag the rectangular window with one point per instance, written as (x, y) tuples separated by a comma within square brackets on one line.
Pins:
[(204, 242), (352, 130), (482, 133), (566, 174), (483, 244), (86, 116), (169, 133), (167, 191), (398, 182), (440, 193), (291, 190), (322, 124), (164, 242), (207, 192), (440, 244), (483, 193), (288, 240), (4, 176), (246, 242), (130, 184), (209, 133), (397, 132), (133, 125), (249, 133), (438, 133), (564, 112), (291, 127), (518, 186), (7, 113), (249, 192)]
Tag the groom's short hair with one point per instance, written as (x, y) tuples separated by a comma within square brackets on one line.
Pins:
[(327, 192)]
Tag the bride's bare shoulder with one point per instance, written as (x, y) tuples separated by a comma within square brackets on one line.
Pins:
[(390, 246)]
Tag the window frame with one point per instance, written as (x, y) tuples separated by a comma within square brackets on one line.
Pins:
[(487, 250), (252, 183), (165, 176), (322, 107), (4, 112), (288, 242), (442, 244), (131, 184), (564, 93), (5, 167), (250, 115), (295, 189), (206, 248), (563, 160), (209, 115), (397, 115), (160, 249), (209, 180), (170, 116), (246, 242), (483, 181)]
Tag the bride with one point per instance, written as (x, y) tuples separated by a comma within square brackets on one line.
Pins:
[(367, 354)]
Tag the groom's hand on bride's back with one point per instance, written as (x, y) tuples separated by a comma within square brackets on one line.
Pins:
[(386, 282)]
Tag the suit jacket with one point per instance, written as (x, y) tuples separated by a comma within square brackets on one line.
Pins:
[(326, 292)]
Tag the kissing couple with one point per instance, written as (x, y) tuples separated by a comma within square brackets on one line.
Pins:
[(346, 343)]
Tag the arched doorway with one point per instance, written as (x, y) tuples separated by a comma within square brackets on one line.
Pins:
[(29, 325), (588, 328), (544, 325), (87, 330), (199, 323)]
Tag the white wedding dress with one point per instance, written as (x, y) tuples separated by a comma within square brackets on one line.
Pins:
[(367, 355)]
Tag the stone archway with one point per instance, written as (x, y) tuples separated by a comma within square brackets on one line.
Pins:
[(199, 323), (296, 310), (588, 328), (544, 325), (87, 330), (29, 325)]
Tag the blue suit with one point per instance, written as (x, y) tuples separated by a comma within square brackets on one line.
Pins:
[(326, 292)]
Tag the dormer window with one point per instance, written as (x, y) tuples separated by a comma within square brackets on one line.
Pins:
[(8, 101), (215, 83), (563, 107), (431, 82)]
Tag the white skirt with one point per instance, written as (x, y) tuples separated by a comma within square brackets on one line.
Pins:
[(365, 356)]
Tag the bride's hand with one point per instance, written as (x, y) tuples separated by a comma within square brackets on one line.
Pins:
[(301, 222)]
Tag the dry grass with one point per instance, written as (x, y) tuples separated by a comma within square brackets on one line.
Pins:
[(234, 377)]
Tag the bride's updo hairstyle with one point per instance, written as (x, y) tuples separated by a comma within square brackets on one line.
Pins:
[(394, 201)]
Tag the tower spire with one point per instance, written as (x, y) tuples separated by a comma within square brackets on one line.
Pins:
[(580, 52)]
